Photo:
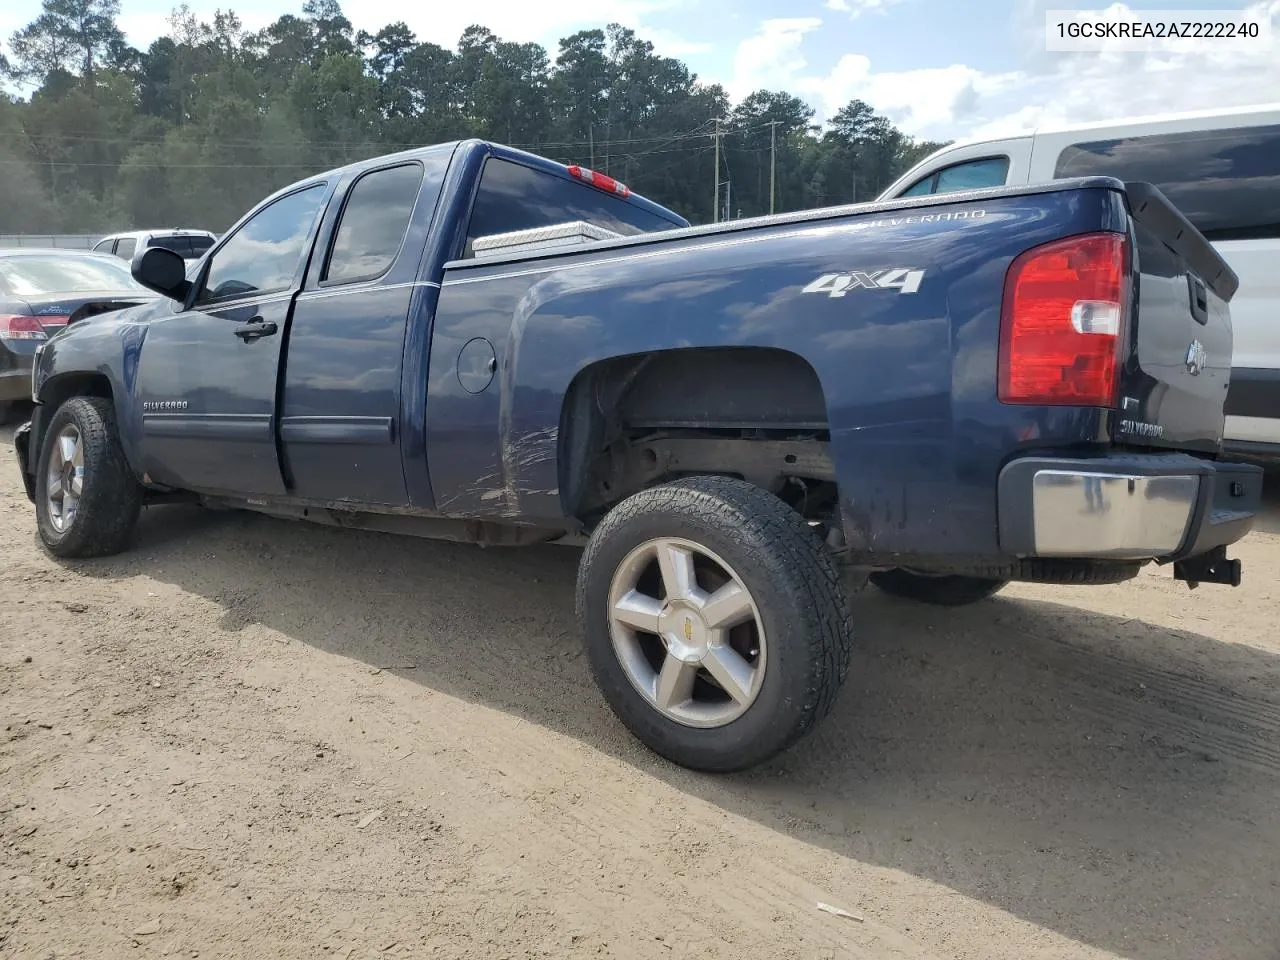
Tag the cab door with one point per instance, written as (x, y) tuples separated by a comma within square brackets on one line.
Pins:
[(341, 426), (208, 371)]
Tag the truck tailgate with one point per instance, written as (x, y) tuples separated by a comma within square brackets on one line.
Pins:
[(1176, 362)]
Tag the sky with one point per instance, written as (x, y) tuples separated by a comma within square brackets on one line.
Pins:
[(940, 69)]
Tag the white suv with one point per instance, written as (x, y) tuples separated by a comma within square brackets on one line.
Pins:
[(188, 244), (1220, 168)]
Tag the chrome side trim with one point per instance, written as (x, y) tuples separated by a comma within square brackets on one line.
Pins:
[(322, 293)]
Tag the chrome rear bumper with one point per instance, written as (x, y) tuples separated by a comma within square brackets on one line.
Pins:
[(1126, 507)]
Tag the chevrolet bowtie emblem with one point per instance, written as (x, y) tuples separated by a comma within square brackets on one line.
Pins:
[(1196, 358)]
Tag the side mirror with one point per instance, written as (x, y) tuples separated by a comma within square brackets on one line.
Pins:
[(163, 271)]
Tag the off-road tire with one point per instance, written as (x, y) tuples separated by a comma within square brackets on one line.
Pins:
[(952, 590), (797, 591), (111, 497)]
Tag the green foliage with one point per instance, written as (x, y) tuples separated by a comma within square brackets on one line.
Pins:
[(211, 118)]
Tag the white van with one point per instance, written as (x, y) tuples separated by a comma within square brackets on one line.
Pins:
[(1220, 168)]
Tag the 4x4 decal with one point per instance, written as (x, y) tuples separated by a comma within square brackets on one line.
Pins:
[(838, 284)]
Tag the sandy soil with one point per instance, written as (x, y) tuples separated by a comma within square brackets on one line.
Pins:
[(249, 738)]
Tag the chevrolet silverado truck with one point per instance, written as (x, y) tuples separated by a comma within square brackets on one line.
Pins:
[(742, 422)]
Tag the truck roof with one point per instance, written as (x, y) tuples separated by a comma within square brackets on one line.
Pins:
[(159, 231), (1267, 112), (495, 149)]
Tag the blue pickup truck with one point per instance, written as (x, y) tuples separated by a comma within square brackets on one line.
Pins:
[(741, 421)]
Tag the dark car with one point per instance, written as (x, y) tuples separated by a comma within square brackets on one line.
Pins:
[(39, 289)]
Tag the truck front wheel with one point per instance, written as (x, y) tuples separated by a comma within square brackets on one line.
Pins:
[(87, 500), (714, 621), (952, 590)]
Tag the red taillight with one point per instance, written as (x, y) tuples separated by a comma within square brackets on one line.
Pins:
[(1063, 322), (21, 328), (600, 181)]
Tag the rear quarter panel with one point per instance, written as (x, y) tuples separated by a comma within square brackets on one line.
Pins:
[(917, 434)]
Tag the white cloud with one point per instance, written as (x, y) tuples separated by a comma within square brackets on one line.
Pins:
[(668, 44), (1085, 87), (771, 59), (515, 20), (141, 29), (916, 100), (857, 7), (958, 100)]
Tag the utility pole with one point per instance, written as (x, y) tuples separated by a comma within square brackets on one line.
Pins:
[(715, 207), (591, 139), (773, 162)]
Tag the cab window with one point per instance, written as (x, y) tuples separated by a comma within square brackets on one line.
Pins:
[(516, 197), (373, 224), (969, 175), (264, 254)]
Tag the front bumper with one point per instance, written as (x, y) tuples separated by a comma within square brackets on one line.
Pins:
[(1163, 507)]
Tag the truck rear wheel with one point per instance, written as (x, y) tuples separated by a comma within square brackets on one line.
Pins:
[(953, 590), (714, 622), (87, 500)]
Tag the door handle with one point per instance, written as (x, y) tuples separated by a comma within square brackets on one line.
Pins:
[(255, 329)]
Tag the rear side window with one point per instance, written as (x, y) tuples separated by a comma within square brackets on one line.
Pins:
[(515, 197), (190, 247), (1226, 182), (969, 175), (103, 246), (373, 225), (178, 245), (125, 248)]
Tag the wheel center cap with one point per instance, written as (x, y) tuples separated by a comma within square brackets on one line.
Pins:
[(685, 633)]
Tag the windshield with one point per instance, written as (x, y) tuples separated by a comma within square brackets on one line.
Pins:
[(33, 276)]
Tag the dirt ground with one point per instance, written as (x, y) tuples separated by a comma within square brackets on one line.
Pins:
[(249, 738)]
